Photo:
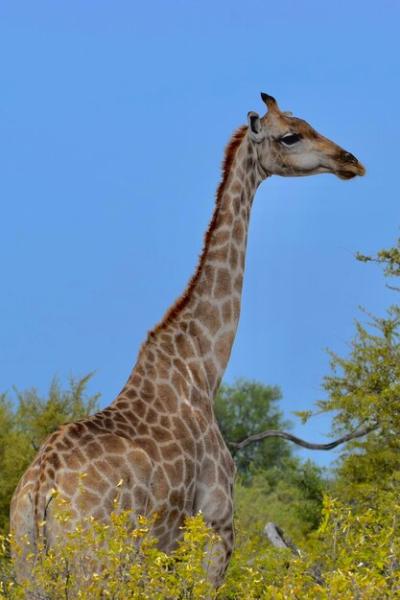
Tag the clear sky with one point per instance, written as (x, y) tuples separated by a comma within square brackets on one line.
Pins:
[(113, 121)]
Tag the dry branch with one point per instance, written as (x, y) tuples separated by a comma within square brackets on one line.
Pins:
[(278, 539), (257, 437)]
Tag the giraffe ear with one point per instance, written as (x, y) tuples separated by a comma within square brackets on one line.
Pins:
[(255, 128)]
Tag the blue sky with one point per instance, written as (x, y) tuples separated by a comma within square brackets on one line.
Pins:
[(113, 120)]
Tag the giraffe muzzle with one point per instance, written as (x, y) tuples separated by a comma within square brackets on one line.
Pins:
[(349, 166)]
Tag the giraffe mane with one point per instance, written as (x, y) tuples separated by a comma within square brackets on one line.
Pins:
[(180, 303)]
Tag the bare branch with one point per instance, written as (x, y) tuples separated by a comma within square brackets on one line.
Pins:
[(258, 437), (278, 539), (394, 288)]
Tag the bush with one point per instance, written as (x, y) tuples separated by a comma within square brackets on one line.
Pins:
[(112, 560), (352, 555)]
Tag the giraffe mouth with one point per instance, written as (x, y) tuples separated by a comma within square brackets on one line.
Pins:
[(351, 171), (348, 166), (346, 174)]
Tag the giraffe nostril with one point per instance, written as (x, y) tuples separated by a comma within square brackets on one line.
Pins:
[(348, 157)]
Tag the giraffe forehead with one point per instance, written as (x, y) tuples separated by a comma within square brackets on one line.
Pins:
[(303, 127), (284, 124)]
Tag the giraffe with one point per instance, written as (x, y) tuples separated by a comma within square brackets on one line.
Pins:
[(159, 439)]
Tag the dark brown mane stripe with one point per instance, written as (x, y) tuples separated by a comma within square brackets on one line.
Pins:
[(181, 302)]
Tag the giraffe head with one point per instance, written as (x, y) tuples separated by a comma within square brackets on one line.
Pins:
[(290, 147)]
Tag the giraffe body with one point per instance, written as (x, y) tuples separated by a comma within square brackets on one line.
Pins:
[(159, 439)]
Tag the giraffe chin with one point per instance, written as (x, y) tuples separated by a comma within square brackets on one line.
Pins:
[(350, 174), (346, 174)]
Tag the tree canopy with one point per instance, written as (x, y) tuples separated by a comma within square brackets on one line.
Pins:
[(249, 407), (364, 388), (26, 420)]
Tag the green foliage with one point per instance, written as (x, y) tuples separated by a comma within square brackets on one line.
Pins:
[(352, 555), (97, 560), (389, 258), (38, 417), (26, 422), (247, 408), (290, 496), (364, 388), (276, 485)]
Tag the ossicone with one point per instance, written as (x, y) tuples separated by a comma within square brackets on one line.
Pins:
[(269, 101)]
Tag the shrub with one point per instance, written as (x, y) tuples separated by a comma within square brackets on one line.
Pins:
[(353, 555)]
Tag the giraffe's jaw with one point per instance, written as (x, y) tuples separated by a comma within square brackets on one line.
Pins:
[(348, 166), (349, 173)]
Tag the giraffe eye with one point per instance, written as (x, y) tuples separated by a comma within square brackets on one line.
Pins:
[(290, 138)]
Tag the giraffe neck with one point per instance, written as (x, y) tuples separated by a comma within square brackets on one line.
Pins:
[(198, 331)]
